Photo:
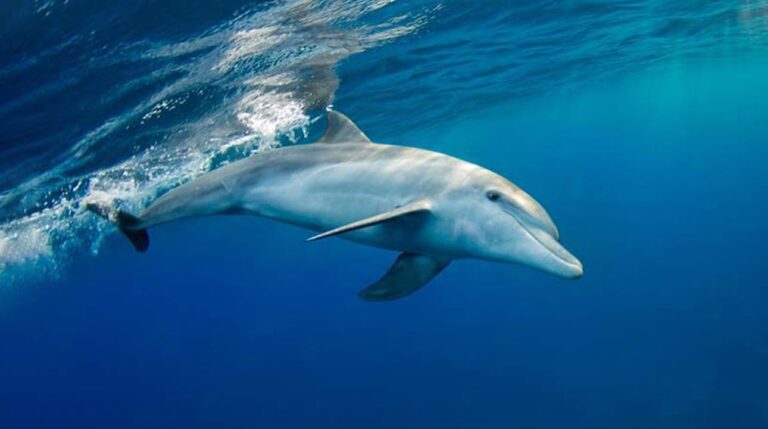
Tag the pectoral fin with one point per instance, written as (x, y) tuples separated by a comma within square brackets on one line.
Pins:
[(409, 273), (423, 206)]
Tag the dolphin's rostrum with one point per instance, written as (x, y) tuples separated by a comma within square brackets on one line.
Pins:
[(431, 207)]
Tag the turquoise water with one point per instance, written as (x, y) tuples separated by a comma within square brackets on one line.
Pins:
[(640, 126)]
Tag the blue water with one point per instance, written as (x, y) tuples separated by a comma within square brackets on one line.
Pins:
[(640, 125)]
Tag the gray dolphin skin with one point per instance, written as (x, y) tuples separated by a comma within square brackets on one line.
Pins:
[(431, 207)]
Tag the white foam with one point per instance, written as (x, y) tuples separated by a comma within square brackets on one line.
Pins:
[(257, 112)]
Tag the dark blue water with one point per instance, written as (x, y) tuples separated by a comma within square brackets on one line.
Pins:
[(640, 126)]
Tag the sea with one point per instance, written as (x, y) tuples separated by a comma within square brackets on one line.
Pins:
[(640, 125)]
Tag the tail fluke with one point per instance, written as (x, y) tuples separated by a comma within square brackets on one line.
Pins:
[(125, 222)]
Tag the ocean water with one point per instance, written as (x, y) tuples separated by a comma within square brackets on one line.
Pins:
[(640, 125)]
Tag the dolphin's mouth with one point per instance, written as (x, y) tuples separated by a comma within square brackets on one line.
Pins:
[(563, 263)]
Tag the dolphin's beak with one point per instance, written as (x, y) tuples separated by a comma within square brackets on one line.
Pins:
[(559, 261), (550, 255), (553, 258)]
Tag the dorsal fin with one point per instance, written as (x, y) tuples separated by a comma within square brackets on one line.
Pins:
[(342, 130)]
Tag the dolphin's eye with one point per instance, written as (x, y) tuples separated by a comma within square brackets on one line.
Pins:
[(492, 195)]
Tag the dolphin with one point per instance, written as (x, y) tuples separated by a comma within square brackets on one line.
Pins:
[(431, 207)]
